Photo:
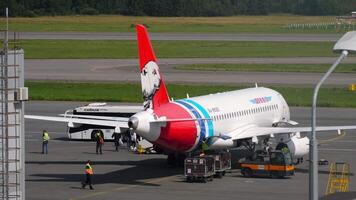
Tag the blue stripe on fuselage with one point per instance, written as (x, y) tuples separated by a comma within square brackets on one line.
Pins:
[(206, 115), (198, 116)]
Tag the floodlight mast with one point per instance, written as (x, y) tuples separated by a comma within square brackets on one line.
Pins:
[(313, 144), (346, 44)]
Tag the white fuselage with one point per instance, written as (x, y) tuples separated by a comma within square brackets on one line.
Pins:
[(215, 117), (230, 111)]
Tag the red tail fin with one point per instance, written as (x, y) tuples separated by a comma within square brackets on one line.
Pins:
[(153, 88)]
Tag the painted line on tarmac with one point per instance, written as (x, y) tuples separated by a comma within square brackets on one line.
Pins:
[(121, 188), (346, 150), (345, 141), (333, 139)]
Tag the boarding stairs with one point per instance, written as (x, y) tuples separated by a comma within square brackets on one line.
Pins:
[(339, 178)]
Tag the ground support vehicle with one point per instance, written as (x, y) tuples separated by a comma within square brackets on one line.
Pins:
[(145, 147), (222, 163), (199, 168), (276, 164), (87, 131)]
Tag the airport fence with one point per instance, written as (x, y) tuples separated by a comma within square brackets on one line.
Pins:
[(321, 26)]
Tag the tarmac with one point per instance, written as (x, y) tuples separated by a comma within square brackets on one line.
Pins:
[(127, 70), (178, 36), (125, 175)]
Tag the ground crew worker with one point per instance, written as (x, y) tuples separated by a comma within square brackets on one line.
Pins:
[(128, 140), (116, 137), (88, 175), (45, 139), (204, 148), (285, 150), (133, 141), (99, 142), (282, 146)]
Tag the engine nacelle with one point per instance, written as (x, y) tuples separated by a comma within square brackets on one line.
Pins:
[(298, 147), (219, 143)]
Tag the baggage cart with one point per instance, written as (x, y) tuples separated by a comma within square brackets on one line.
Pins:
[(199, 168), (222, 163)]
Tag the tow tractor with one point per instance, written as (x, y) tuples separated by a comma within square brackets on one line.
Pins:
[(276, 164)]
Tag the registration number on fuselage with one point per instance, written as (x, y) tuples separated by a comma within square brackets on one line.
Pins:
[(214, 110)]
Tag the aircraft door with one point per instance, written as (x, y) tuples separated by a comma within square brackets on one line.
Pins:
[(284, 109)]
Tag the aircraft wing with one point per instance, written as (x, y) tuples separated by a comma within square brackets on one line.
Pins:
[(121, 119), (94, 121), (253, 131)]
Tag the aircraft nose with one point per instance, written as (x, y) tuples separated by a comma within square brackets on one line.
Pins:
[(133, 123), (140, 123)]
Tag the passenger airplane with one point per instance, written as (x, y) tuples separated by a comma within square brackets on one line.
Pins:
[(223, 120)]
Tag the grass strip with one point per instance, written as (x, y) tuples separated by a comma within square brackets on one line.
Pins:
[(308, 68), (131, 92), (60, 49), (116, 23)]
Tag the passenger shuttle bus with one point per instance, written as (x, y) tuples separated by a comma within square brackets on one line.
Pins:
[(87, 131)]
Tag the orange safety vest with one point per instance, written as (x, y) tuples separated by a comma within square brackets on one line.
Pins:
[(88, 169)]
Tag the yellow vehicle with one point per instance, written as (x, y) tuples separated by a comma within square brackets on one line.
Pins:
[(277, 164)]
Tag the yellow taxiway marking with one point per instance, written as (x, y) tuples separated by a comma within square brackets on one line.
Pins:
[(333, 139), (120, 188)]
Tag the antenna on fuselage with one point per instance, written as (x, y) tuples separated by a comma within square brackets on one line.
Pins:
[(187, 96), (256, 85)]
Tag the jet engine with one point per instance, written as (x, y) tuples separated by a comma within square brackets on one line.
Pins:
[(298, 146)]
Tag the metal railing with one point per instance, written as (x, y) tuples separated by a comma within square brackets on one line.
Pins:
[(11, 167), (339, 178)]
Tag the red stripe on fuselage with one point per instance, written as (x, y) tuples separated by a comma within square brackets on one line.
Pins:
[(176, 136)]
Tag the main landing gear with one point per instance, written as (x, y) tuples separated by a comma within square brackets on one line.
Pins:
[(176, 159)]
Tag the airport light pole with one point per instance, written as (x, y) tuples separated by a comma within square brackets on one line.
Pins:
[(345, 45)]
